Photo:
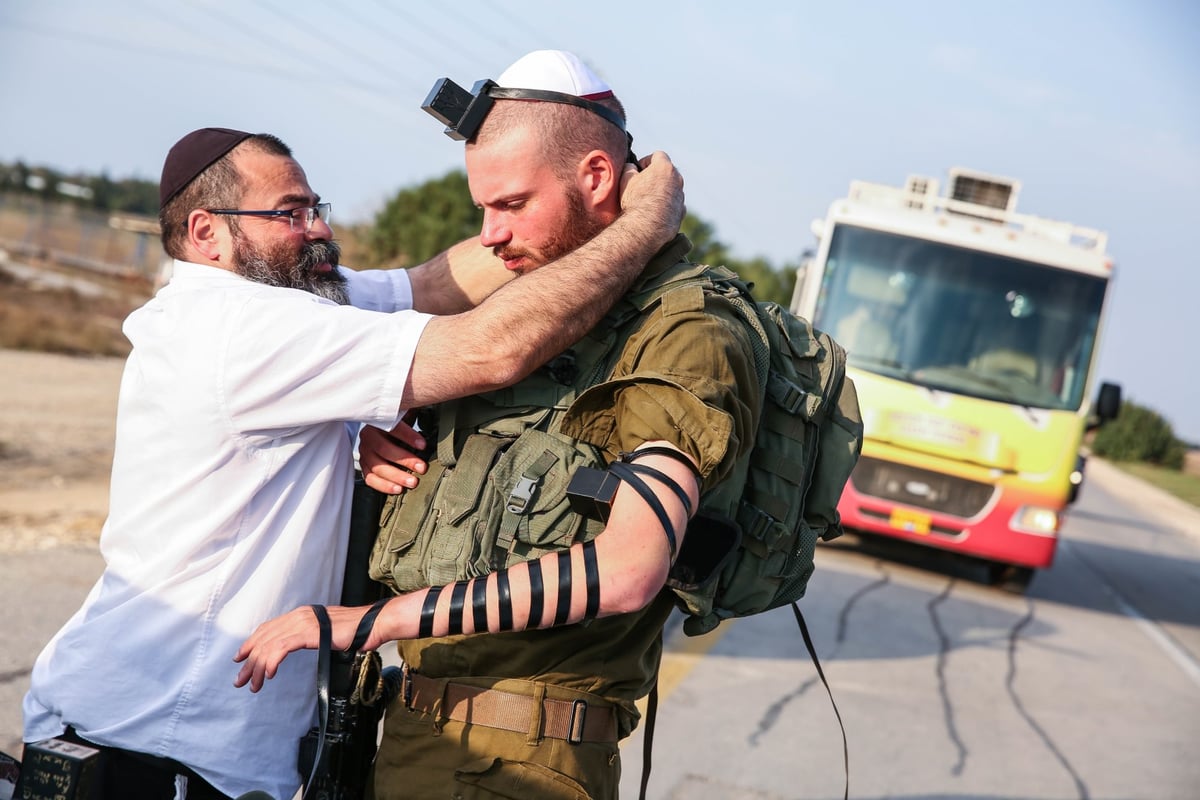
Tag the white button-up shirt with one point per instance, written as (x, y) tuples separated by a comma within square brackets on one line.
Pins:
[(230, 503)]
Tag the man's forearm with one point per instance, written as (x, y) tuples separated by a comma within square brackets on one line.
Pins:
[(457, 279)]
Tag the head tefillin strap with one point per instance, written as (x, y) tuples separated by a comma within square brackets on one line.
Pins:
[(463, 112)]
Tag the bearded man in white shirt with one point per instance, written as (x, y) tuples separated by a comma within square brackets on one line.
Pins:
[(233, 467)]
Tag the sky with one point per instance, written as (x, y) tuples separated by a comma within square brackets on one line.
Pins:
[(769, 109)]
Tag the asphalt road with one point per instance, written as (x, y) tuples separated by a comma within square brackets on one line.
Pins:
[(1087, 688)]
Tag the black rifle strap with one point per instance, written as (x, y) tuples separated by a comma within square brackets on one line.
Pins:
[(323, 656), (648, 736), (812, 651)]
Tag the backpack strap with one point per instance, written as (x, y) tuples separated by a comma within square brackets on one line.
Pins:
[(812, 651), (652, 714)]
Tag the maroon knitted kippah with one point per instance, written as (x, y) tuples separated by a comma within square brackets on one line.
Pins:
[(193, 154)]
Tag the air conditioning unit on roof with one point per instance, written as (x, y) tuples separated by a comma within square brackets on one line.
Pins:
[(981, 189)]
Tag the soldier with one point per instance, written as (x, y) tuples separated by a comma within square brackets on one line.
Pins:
[(527, 631)]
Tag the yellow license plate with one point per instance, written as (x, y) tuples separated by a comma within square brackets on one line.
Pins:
[(911, 521)]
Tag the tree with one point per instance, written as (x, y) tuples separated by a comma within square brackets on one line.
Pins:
[(768, 282), (705, 247), (424, 220), (420, 222), (1140, 434)]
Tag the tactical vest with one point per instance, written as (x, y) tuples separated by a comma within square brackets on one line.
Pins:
[(495, 490)]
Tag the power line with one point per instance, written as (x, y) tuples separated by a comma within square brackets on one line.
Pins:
[(523, 25), (434, 34), (176, 56), (409, 43), (324, 40)]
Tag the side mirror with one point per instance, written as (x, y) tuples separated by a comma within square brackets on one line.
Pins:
[(801, 280), (1108, 405)]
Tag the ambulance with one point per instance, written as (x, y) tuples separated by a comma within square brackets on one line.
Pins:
[(973, 333)]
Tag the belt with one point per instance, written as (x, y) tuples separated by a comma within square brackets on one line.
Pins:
[(575, 721)]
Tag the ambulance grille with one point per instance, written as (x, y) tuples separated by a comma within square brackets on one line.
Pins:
[(921, 488)]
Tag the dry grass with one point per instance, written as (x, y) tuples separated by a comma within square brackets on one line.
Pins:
[(1185, 485), (62, 320), (82, 251)]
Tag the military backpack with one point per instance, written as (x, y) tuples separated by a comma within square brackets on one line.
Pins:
[(808, 440)]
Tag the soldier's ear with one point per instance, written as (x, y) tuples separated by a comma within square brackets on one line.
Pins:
[(599, 179)]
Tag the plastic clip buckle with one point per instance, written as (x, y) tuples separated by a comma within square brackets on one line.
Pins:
[(522, 493), (578, 717)]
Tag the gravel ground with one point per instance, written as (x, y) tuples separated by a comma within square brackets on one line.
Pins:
[(57, 423), (56, 445)]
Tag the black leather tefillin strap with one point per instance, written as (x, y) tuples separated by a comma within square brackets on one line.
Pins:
[(629, 472), (477, 589), (659, 450), (458, 599), (591, 572), (563, 610), (537, 594), (425, 629), (504, 590), (479, 603)]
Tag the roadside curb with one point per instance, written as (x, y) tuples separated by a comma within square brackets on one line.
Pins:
[(1163, 506)]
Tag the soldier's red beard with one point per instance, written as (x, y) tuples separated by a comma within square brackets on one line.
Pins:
[(578, 228)]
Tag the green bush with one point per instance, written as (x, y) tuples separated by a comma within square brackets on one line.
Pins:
[(1140, 434)]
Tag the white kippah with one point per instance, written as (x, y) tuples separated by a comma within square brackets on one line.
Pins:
[(554, 71)]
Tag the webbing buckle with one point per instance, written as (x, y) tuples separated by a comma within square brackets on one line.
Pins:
[(575, 726), (788, 395), (754, 521), (522, 493)]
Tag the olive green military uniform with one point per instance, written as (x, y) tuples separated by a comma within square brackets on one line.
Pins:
[(556, 701)]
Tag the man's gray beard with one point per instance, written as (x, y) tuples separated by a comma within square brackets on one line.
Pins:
[(259, 267)]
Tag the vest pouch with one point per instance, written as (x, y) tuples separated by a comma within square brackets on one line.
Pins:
[(400, 522), (530, 481), (458, 547)]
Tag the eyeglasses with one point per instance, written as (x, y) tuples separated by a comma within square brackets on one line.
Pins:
[(301, 219)]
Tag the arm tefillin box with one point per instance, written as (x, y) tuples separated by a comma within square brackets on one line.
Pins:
[(591, 492)]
